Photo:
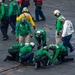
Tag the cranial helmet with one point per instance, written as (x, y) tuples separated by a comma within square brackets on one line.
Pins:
[(32, 44), (26, 43), (52, 46), (38, 33), (45, 47), (25, 9), (22, 19), (56, 12)]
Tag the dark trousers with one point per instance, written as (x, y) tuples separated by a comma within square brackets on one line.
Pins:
[(38, 12), (62, 57), (27, 57), (4, 26), (43, 59), (24, 4), (12, 21), (14, 54), (66, 42), (39, 44)]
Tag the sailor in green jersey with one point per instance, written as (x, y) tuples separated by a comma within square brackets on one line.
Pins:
[(40, 37), (4, 20), (23, 31), (58, 26), (14, 11), (60, 53), (26, 54), (18, 4), (42, 56), (14, 52)]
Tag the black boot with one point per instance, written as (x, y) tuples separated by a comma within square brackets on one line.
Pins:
[(68, 59), (5, 38), (71, 50), (58, 63), (7, 58), (37, 66)]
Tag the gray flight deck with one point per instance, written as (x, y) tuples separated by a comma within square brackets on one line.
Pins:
[(67, 8)]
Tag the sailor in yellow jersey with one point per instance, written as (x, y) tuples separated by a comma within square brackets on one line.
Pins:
[(27, 16)]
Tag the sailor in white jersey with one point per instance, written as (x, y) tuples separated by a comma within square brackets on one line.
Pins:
[(67, 33)]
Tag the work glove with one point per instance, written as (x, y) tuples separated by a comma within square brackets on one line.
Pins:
[(31, 35), (58, 33), (34, 27), (17, 38)]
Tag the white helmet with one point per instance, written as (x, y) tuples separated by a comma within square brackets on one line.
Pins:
[(25, 9), (38, 32), (32, 44), (0, 1), (52, 45), (26, 43), (56, 12), (45, 47)]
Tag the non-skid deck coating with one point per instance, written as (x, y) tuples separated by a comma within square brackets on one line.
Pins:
[(67, 8)]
